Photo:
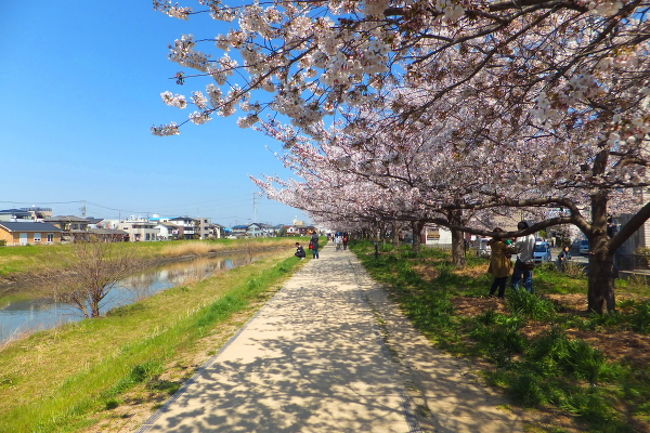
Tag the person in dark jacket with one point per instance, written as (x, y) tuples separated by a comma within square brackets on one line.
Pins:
[(313, 245), (300, 251), (562, 258)]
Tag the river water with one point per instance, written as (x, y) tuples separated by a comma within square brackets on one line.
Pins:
[(21, 317)]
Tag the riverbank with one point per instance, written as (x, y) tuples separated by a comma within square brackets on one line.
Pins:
[(99, 360), (564, 369), (28, 272)]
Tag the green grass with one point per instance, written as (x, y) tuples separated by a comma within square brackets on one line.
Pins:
[(546, 369), (34, 258), (54, 380)]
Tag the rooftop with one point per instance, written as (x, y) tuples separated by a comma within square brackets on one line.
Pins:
[(31, 227)]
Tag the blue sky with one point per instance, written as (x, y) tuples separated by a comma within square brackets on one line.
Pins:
[(80, 85)]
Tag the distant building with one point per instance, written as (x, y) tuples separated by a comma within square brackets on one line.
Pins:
[(29, 233), (73, 227), (139, 231), (15, 215), (167, 231), (435, 235), (187, 227)]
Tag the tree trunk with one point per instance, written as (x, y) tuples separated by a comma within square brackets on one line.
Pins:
[(396, 241), (600, 291), (458, 248), (457, 240), (601, 283), (417, 227)]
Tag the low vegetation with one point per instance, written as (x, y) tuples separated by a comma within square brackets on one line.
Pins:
[(574, 371), (36, 258), (97, 362)]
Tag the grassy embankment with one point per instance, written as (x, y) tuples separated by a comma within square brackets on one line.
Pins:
[(34, 258), (66, 379), (573, 371), (30, 262)]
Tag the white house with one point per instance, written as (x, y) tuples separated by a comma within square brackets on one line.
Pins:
[(187, 225), (167, 231)]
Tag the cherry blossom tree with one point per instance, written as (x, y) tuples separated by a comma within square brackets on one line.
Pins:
[(525, 104)]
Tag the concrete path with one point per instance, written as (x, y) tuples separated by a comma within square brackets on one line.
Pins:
[(328, 354)]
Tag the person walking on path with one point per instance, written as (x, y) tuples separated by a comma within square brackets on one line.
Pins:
[(500, 264), (524, 265), (346, 239), (313, 244), (338, 240)]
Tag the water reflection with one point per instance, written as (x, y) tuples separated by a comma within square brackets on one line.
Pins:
[(36, 314)]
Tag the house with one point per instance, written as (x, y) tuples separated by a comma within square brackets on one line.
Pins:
[(29, 233), (167, 231), (202, 226), (139, 231), (187, 226), (73, 227), (38, 213), (15, 215), (435, 235), (216, 231), (254, 230), (240, 230), (268, 230)]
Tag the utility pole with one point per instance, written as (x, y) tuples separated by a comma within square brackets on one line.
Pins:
[(83, 209), (254, 207)]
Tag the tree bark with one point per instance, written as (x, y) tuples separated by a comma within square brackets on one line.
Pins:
[(600, 294), (600, 289), (396, 241), (416, 227), (457, 240)]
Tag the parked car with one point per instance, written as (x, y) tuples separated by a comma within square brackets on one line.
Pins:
[(583, 247), (484, 249), (542, 252)]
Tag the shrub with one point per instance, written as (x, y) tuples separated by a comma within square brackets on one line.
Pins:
[(498, 336), (527, 389), (640, 318), (531, 306)]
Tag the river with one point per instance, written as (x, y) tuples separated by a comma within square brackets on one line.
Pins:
[(26, 316)]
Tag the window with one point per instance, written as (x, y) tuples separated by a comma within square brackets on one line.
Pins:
[(37, 238), (50, 238)]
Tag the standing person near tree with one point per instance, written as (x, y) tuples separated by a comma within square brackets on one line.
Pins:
[(346, 239), (562, 258), (524, 264), (500, 264), (313, 245)]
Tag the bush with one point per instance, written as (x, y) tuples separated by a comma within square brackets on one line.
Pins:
[(553, 354), (3, 243), (498, 336), (527, 389), (530, 306), (640, 318)]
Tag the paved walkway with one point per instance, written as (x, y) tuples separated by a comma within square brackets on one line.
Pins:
[(328, 354)]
